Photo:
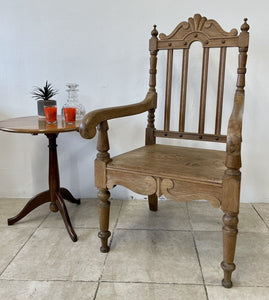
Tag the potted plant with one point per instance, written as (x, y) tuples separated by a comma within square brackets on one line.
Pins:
[(43, 97)]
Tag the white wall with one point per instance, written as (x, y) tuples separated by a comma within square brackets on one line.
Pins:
[(103, 46)]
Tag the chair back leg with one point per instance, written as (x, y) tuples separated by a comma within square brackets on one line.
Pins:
[(153, 202)]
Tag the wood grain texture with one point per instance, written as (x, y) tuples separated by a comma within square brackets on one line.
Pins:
[(190, 164), (191, 136), (203, 91), (104, 211), (153, 59), (231, 191), (36, 125), (102, 158), (177, 190), (140, 184), (150, 138), (55, 195), (232, 178), (230, 231), (187, 191), (183, 93), (92, 119), (168, 90), (220, 90), (180, 173), (234, 133), (198, 28)]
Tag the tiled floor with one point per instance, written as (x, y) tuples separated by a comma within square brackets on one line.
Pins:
[(170, 254)]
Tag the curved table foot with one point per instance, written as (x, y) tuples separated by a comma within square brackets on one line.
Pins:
[(68, 196), (33, 203), (62, 208)]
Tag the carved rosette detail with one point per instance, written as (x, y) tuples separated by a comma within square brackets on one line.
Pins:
[(198, 24), (165, 186)]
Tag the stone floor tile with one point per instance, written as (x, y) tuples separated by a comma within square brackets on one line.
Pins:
[(51, 255), (204, 217), (251, 258), (171, 215), (44, 290), (84, 215), (263, 210), (249, 220), (11, 207), (238, 293), (134, 291), (152, 256), (43, 263), (11, 241)]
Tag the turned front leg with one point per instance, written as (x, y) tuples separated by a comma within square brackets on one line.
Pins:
[(100, 181), (230, 231), (103, 209)]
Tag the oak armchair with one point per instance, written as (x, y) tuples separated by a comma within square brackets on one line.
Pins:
[(179, 173)]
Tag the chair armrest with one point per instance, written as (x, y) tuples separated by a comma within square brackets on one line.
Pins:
[(92, 119), (234, 134)]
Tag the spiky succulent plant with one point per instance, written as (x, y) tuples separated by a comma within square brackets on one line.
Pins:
[(44, 94)]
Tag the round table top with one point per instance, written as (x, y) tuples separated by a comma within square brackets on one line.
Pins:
[(36, 125)]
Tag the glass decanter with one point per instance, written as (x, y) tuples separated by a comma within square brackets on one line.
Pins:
[(72, 101)]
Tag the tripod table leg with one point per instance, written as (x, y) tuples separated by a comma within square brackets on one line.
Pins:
[(68, 196), (33, 203), (62, 208)]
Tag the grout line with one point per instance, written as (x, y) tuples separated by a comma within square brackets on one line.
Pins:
[(131, 282), (259, 215), (239, 286), (179, 230), (19, 250), (47, 280), (149, 229), (110, 242), (97, 289), (196, 250), (184, 284), (152, 283), (45, 218), (115, 226), (155, 229)]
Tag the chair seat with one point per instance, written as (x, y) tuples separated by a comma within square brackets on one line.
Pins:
[(180, 163)]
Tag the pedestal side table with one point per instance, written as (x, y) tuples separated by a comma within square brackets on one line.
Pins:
[(55, 194)]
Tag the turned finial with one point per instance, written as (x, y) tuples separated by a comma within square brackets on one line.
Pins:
[(154, 32), (245, 26)]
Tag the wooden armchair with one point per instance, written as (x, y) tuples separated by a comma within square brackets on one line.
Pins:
[(179, 173)]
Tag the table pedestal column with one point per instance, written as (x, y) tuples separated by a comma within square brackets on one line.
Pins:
[(55, 195)]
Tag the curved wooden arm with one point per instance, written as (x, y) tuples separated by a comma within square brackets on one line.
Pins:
[(92, 119), (234, 134)]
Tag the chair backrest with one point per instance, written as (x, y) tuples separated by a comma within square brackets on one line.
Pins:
[(211, 35)]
